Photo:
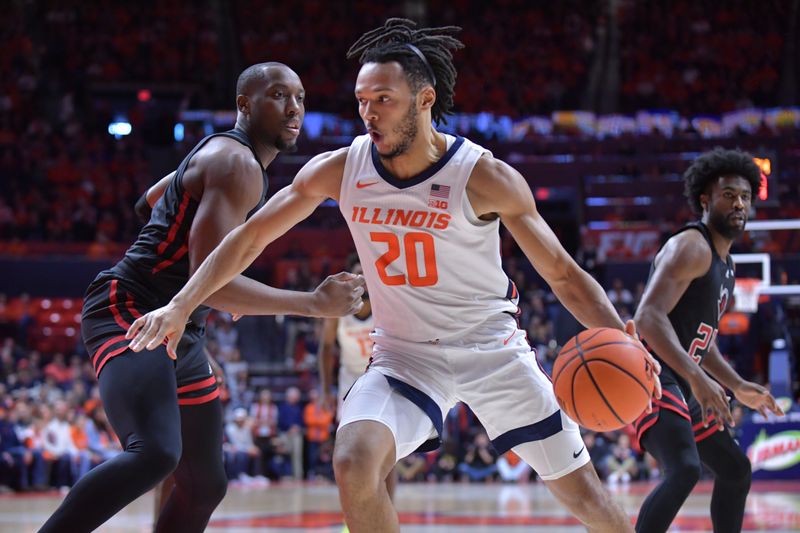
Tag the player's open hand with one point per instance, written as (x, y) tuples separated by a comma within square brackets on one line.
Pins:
[(712, 399), (150, 330), (654, 366), (758, 398), (339, 295)]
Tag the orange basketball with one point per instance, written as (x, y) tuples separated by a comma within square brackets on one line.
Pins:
[(602, 380)]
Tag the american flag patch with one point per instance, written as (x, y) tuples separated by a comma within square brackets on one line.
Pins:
[(440, 191)]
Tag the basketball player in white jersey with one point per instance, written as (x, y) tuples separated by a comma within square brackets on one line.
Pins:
[(424, 210)]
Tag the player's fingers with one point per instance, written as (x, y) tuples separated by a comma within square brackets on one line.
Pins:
[(235, 317), (773, 406), (342, 276), (136, 326), (172, 346), (704, 409), (657, 389), (630, 328), (142, 336), (159, 335)]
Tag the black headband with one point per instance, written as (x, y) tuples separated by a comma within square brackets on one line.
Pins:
[(421, 56)]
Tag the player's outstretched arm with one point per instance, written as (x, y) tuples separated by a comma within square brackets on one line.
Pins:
[(495, 188), (751, 394), (683, 258), (338, 295)]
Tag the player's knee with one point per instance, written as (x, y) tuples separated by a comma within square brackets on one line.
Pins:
[(356, 467), (162, 458), (213, 490), (685, 476), (739, 472)]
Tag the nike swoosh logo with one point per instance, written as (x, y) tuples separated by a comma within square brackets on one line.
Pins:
[(360, 185), (576, 454)]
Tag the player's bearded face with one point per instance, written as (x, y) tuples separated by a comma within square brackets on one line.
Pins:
[(405, 132)]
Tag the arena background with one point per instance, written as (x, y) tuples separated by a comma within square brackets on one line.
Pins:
[(601, 104)]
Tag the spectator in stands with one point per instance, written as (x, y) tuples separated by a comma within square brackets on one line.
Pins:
[(241, 454), (618, 294), (479, 462), (621, 463), (445, 466), (318, 419), (290, 424), (59, 448), (411, 467), (265, 425)]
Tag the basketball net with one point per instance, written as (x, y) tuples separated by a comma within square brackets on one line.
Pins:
[(746, 292)]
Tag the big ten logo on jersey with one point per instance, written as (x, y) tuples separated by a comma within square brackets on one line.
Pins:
[(437, 204)]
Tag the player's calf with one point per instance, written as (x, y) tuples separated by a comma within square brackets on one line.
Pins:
[(582, 493)]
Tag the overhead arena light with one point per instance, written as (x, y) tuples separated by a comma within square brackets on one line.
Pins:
[(118, 129)]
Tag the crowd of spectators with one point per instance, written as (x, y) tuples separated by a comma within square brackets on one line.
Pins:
[(697, 56)]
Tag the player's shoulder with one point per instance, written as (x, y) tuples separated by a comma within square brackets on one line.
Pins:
[(225, 156), (687, 250), (491, 171)]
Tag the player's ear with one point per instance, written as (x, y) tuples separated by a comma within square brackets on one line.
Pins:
[(243, 104), (705, 198), (427, 97)]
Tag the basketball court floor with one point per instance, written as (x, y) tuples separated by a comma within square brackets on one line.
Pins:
[(436, 508)]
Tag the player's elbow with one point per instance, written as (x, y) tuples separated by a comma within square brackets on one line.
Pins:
[(646, 319)]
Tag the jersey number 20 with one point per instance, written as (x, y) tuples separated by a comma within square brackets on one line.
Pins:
[(411, 242)]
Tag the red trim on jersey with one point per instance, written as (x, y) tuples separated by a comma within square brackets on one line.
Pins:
[(711, 419), (105, 345), (644, 427), (200, 399), (173, 229), (172, 260), (109, 357), (199, 385), (707, 433), (679, 401), (112, 297), (673, 408)]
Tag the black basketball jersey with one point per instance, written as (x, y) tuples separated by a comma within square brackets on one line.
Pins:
[(159, 259), (696, 316)]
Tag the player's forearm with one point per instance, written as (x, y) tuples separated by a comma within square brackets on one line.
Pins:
[(586, 300), (235, 253), (325, 362), (246, 296), (718, 367), (657, 331)]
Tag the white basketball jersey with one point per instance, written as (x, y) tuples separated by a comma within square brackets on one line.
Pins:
[(432, 267), (355, 346)]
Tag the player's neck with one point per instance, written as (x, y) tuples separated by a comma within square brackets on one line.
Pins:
[(266, 152), (428, 147), (721, 244)]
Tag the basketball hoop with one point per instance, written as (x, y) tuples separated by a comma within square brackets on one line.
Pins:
[(746, 292)]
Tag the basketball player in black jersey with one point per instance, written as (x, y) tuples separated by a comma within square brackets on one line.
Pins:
[(691, 283), (164, 407)]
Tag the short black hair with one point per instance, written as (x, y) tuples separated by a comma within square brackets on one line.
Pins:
[(712, 165), (252, 74), (425, 55)]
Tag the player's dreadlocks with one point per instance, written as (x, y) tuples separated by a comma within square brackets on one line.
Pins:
[(714, 164), (425, 55)]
